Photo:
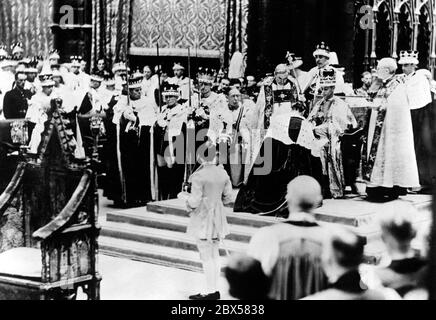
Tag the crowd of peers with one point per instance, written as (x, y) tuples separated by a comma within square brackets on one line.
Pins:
[(147, 114), (275, 128)]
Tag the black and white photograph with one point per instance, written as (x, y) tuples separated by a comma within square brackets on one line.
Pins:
[(185, 151)]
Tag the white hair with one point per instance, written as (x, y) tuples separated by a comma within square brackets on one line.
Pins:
[(281, 68), (389, 63)]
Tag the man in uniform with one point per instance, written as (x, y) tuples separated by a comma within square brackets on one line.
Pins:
[(366, 84), (15, 103)]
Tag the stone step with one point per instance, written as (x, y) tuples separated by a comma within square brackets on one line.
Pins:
[(182, 258), (241, 233), (358, 212), (151, 253), (173, 223), (176, 220), (177, 207), (157, 233), (354, 212), (165, 238)]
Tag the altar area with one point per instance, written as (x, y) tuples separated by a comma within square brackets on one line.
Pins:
[(156, 233)]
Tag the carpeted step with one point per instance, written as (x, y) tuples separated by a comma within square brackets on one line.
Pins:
[(162, 237), (177, 207), (173, 223), (151, 253)]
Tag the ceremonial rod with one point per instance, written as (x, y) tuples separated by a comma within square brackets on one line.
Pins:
[(158, 75), (295, 75), (187, 153)]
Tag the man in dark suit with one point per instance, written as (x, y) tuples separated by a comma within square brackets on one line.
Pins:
[(15, 102)]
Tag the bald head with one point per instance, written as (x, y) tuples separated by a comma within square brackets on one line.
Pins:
[(386, 68), (234, 91), (304, 194), (282, 68)]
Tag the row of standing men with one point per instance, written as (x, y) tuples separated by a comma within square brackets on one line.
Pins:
[(136, 124)]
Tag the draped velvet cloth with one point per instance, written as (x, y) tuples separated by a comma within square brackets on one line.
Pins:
[(27, 21), (111, 29), (236, 28)]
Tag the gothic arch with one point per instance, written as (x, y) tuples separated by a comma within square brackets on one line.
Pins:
[(405, 21), (384, 21), (423, 44)]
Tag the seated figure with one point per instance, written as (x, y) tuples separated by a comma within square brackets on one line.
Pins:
[(284, 155)]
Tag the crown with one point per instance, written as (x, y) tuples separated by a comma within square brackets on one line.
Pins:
[(206, 75), (171, 90), (409, 57), (96, 77), (328, 77), (119, 66), (322, 49), (178, 66), (54, 54), (46, 80), (135, 81), (17, 47), (137, 74), (75, 60), (33, 62), (3, 51), (323, 46)]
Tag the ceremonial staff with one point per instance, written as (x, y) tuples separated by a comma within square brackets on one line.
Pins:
[(158, 76), (118, 128), (294, 74), (188, 168)]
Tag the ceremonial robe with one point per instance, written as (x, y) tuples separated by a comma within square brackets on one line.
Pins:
[(330, 119), (388, 158)]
